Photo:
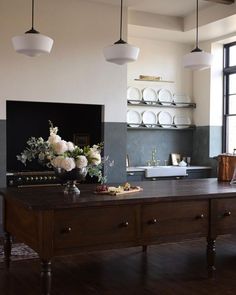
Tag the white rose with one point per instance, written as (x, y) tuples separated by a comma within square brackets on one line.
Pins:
[(94, 156), (70, 146), (56, 162), (68, 164), (53, 138), (60, 147), (81, 162)]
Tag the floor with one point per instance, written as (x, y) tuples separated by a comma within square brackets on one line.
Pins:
[(171, 269)]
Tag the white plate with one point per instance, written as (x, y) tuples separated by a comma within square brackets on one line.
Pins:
[(149, 119), (165, 96), (182, 120), (133, 118), (149, 95), (134, 95), (165, 119), (179, 98)]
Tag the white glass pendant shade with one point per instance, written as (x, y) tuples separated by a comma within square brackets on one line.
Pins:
[(197, 60), (121, 53), (32, 44)]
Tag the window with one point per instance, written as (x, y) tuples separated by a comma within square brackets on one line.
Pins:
[(229, 110)]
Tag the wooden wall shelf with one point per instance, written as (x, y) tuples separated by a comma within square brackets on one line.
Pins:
[(158, 81)]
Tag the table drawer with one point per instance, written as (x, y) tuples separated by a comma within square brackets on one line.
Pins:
[(174, 218), (226, 216), (94, 226)]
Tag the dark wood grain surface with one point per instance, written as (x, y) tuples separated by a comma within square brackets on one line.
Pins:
[(55, 224), (42, 198)]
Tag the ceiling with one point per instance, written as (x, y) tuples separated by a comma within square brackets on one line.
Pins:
[(224, 24), (179, 8)]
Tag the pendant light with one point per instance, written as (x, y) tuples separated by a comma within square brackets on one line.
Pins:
[(32, 43), (197, 59), (121, 52)]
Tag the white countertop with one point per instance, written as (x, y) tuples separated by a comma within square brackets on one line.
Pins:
[(142, 169)]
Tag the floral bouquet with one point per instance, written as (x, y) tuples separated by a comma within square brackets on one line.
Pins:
[(64, 157)]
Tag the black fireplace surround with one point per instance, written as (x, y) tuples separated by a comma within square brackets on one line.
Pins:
[(79, 123)]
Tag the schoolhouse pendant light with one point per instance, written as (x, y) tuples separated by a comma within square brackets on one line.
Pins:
[(197, 59), (32, 43), (121, 52)]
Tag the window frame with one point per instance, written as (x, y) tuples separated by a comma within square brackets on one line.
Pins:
[(227, 71)]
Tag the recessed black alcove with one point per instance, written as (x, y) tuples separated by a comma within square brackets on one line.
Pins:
[(26, 119)]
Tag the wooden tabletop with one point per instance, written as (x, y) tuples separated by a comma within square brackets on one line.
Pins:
[(46, 198)]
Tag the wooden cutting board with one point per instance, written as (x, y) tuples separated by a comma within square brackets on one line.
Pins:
[(135, 189)]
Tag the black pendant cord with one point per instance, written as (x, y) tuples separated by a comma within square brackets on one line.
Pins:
[(121, 41), (121, 18), (32, 30), (197, 25), (197, 49), (32, 14)]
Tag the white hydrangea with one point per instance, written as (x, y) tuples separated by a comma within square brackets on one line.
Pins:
[(60, 147), (81, 162)]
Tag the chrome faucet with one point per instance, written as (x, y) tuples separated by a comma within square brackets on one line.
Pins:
[(153, 161)]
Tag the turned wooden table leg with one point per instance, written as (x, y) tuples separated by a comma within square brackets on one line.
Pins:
[(45, 277), (7, 249), (144, 248), (211, 253)]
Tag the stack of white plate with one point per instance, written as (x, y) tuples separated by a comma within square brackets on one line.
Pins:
[(134, 95), (165, 119), (165, 97), (149, 119), (149, 95), (134, 118), (182, 121)]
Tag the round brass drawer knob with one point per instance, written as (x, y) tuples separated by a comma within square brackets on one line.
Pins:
[(124, 224), (201, 216), (152, 221), (66, 230), (227, 214)]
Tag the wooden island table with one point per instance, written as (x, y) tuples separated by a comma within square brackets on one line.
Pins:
[(55, 224)]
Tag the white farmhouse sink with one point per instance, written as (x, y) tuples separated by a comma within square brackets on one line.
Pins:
[(164, 171)]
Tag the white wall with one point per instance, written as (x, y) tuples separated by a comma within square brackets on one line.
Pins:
[(75, 71), (162, 58), (201, 92), (208, 88)]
